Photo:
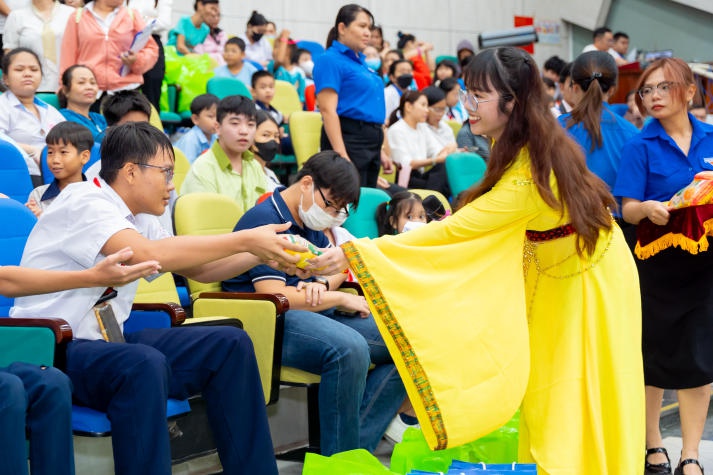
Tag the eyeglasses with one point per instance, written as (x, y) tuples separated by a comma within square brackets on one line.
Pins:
[(341, 212), (469, 100), (437, 110), (663, 88), (167, 171)]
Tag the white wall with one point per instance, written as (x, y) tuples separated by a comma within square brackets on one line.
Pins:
[(441, 22)]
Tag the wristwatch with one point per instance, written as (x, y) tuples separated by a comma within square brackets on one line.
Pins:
[(322, 280)]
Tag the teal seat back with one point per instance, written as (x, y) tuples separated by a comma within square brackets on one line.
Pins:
[(464, 170), (34, 345), (362, 221), (49, 97), (441, 57), (223, 87)]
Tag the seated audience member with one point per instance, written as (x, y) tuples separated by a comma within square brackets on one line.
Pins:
[(37, 400), (402, 213), (39, 25), (270, 32), (551, 88), (235, 65), (400, 80), (190, 31), (204, 109), (377, 39), (372, 58), (131, 380), (633, 114), (229, 167), (77, 94), (263, 92), (124, 106), (566, 103), (266, 145), (454, 109), (414, 148), (286, 66), (214, 43), (69, 146), (435, 124), (389, 57), (603, 40), (23, 117), (305, 63), (621, 45), (698, 111), (552, 69), (445, 69), (470, 142), (419, 54), (464, 50), (355, 405), (257, 47)]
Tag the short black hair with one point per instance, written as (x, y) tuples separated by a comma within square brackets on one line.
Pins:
[(203, 102), (7, 58), (332, 172), (599, 32), (259, 75), (195, 4), (555, 63), (116, 106), (565, 73), (71, 133), (620, 34), (448, 84), (238, 105), (135, 142), (434, 94), (237, 42)]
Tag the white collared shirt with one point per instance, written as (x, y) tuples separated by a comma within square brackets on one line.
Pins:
[(260, 51), (69, 236), (23, 127), (24, 28), (104, 23)]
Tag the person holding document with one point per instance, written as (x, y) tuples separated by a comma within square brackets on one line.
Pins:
[(103, 36)]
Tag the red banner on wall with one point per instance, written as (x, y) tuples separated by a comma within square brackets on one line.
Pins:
[(525, 21)]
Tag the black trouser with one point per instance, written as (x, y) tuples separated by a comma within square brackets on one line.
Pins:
[(362, 141), (434, 179), (154, 76)]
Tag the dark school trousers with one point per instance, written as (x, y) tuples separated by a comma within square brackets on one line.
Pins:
[(131, 382), (362, 141)]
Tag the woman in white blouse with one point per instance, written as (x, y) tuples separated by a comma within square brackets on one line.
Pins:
[(413, 146), (436, 110), (39, 27), (23, 117)]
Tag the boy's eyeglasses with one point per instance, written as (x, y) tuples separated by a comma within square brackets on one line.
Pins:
[(341, 212), (167, 171)]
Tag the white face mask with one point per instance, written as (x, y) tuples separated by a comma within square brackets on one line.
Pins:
[(409, 225), (307, 67), (317, 218)]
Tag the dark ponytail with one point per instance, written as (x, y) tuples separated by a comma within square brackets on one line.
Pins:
[(347, 14), (408, 97), (596, 73)]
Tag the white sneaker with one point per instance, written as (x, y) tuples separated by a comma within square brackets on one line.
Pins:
[(396, 429)]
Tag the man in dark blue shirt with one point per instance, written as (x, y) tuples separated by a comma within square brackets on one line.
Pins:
[(354, 407)]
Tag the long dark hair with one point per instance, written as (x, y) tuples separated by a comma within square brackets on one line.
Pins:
[(347, 14), (596, 73), (513, 74)]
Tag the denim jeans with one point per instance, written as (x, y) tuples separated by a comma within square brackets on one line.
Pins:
[(355, 404)]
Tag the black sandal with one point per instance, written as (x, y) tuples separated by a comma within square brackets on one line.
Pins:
[(679, 469), (658, 468)]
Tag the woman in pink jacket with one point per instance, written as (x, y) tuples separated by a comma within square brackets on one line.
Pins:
[(100, 36)]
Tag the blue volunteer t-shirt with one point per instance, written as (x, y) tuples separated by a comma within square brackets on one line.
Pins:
[(653, 167), (273, 210), (360, 90)]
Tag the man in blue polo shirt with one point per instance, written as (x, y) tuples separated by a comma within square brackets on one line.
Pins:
[(354, 407), (351, 96)]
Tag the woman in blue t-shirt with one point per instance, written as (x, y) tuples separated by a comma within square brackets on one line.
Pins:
[(676, 292), (350, 95)]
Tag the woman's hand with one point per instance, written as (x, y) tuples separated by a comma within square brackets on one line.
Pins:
[(331, 261), (656, 212), (269, 247), (128, 58), (33, 152), (111, 272), (313, 292)]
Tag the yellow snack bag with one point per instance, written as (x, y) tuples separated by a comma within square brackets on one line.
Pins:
[(312, 251)]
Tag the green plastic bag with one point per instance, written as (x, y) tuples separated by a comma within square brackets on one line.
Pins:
[(352, 462), (413, 453), (191, 72), (163, 100)]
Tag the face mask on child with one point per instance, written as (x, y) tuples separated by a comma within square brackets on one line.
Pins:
[(307, 66), (410, 225), (318, 219), (267, 150), (374, 64), (256, 37), (404, 81)]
